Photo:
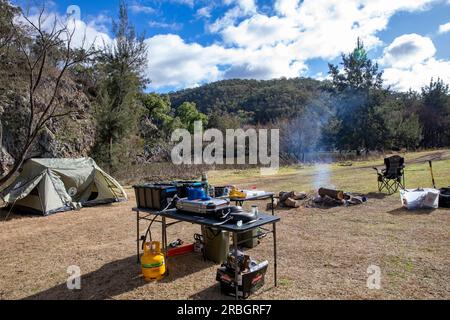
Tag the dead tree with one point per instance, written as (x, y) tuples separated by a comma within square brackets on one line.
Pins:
[(48, 54)]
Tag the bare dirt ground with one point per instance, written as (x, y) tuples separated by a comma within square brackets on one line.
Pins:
[(322, 254)]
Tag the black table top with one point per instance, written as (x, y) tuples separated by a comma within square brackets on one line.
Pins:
[(260, 197), (263, 219)]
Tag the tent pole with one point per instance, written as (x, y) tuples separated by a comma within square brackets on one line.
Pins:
[(10, 210), (40, 200)]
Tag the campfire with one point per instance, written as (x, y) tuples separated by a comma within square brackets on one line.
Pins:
[(324, 198), (331, 197)]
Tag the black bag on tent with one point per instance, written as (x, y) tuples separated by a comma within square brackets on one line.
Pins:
[(444, 198)]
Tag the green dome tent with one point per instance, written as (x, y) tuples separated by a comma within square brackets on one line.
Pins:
[(46, 186)]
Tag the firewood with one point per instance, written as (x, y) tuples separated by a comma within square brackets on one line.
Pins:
[(291, 203), (285, 195), (298, 195), (335, 194)]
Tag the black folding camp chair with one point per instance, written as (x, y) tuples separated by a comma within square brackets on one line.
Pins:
[(392, 177)]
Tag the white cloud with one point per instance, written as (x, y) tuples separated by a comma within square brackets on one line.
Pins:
[(101, 23), (286, 7), (444, 28), (204, 12), (260, 30), (410, 63), (189, 3), (407, 50), (137, 8), (227, 20), (172, 62), (165, 25), (262, 46), (322, 28), (84, 34), (254, 44), (175, 63), (418, 75), (247, 6)]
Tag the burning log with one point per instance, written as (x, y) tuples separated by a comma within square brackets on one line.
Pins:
[(335, 194), (328, 201)]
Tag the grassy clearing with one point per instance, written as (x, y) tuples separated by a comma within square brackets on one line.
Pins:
[(322, 253), (360, 177)]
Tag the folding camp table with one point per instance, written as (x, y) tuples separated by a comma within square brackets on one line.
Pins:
[(267, 195), (232, 227)]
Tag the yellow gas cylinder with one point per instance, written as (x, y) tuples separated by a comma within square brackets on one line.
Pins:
[(152, 261)]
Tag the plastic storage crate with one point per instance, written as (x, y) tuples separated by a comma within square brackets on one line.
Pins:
[(154, 196)]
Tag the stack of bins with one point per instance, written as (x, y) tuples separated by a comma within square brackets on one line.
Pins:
[(154, 196)]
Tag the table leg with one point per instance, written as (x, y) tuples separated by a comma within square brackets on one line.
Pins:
[(137, 236), (273, 209), (236, 271), (275, 253), (164, 243)]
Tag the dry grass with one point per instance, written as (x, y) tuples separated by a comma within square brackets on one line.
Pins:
[(322, 253)]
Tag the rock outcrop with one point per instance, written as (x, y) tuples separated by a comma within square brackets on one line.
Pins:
[(69, 136)]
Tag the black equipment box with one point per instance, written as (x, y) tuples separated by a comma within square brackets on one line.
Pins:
[(444, 198), (155, 196), (222, 191), (248, 282)]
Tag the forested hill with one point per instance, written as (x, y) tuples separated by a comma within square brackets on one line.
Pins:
[(258, 101)]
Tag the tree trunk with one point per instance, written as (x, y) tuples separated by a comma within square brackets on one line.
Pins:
[(17, 164), (110, 153), (11, 172)]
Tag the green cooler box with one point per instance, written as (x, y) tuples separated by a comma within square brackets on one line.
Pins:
[(216, 244)]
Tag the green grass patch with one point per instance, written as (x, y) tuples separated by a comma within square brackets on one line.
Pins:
[(360, 177)]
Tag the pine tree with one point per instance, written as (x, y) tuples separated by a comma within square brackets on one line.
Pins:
[(121, 66), (357, 91)]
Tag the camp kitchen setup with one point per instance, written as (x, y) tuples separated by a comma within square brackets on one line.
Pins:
[(219, 212), (47, 186)]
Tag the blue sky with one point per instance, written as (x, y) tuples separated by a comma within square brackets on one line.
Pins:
[(192, 42)]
